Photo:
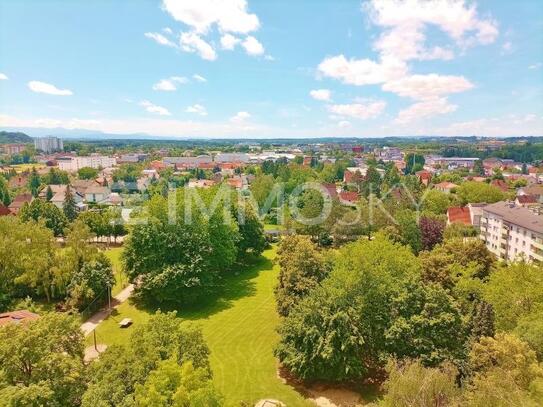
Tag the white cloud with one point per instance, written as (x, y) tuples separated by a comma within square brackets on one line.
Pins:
[(151, 108), (199, 78), (229, 42), (362, 71), (507, 48), (168, 30), (425, 108), (358, 110), (201, 15), (252, 46), (42, 87), (160, 39), (320, 94), (537, 65), (421, 87), (197, 109), (240, 117), (343, 124), (192, 42), (169, 84), (3, 77)]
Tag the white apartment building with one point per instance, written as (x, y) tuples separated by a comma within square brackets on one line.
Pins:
[(73, 164), (48, 144), (512, 232)]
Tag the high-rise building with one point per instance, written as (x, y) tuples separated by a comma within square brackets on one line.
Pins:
[(48, 144)]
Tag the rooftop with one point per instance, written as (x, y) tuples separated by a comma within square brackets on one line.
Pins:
[(516, 215)]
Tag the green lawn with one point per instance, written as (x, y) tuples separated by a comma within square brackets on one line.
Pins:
[(240, 329)]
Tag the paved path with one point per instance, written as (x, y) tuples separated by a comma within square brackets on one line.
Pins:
[(90, 324)]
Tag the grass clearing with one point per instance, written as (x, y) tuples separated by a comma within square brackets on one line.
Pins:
[(121, 281), (240, 329)]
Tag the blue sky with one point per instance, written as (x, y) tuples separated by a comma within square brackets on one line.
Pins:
[(263, 68)]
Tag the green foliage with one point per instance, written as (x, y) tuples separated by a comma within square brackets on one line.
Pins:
[(530, 330), (56, 177), (337, 331), (252, 241), (505, 372), (34, 182), (409, 231), (459, 230), (69, 206), (123, 370), (173, 385), (90, 281), (436, 202), (477, 192), (47, 212), (411, 384), (5, 197), (413, 163), (87, 173), (42, 362), (261, 188), (515, 291), (302, 269)]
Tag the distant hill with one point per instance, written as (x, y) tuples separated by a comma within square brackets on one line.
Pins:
[(7, 137)]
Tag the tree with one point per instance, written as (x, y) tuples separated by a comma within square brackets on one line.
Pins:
[(436, 202), (56, 177), (459, 230), (337, 331), (34, 182), (302, 268), (508, 362), (372, 183), (481, 322), (515, 291), (530, 330), (409, 230), (69, 207), (412, 384), (413, 163), (478, 168), (115, 376), (431, 232), (48, 194), (173, 385), (252, 240), (427, 324), (5, 197), (91, 281), (87, 173), (52, 216), (477, 192), (42, 362)]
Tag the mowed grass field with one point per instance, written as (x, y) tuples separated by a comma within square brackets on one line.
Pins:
[(240, 329)]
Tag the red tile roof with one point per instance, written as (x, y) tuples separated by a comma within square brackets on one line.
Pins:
[(331, 188), (350, 197), (457, 214), (17, 317), (500, 184), (4, 211), (527, 199)]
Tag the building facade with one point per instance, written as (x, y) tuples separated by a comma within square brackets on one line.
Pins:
[(73, 164), (49, 144), (512, 232)]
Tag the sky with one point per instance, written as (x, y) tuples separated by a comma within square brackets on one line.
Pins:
[(273, 68)]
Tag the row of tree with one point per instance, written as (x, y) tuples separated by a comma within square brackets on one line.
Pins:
[(438, 324), (163, 364)]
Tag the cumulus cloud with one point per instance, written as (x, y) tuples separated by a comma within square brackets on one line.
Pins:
[(320, 94), (252, 46), (152, 108), (240, 117), (362, 111), (201, 15), (3, 77), (160, 39), (199, 78), (197, 109), (229, 42), (42, 87), (170, 84), (421, 87), (425, 108), (192, 42)]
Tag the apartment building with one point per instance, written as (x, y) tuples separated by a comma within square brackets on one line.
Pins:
[(11, 149), (72, 164), (512, 232), (48, 144)]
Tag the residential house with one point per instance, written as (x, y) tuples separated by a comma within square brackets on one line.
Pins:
[(331, 189), (511, 232), (348, 197), (4, 210), (97, 194), (526, 201), (19, 201), (59, 198), (456, 214), (424, 177), (445, 186), (500, 184), (17, 317)]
